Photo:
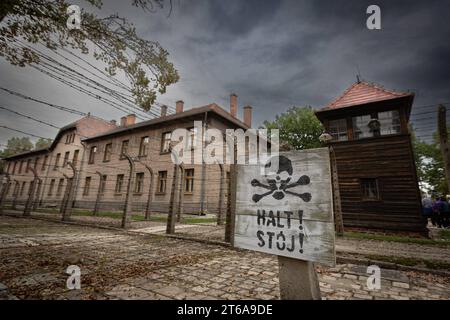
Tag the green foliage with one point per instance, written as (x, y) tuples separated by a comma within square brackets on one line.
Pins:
[(430, 165), (299, 128), (43, 143), (114, 41), (15, 146)]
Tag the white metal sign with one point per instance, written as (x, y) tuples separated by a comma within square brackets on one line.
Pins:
[(285, 206)]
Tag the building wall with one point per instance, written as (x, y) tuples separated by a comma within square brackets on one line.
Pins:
[(389, 160)]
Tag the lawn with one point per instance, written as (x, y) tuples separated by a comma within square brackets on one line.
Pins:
[(444, 241)]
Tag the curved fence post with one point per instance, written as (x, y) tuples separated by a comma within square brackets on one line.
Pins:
[(67, 209), (99, 193), (29, 203), (127, 206), (181, 194), (221, 195), (38, 192), (4, 192), (148, 207)]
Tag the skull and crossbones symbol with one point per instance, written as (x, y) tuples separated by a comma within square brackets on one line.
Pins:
[(278, 187)]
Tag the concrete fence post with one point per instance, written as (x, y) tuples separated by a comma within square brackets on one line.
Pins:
[(38, 192), (127, 206), (148, 207), (170, 229), (181, 194), (16, 194), (29, 203), (231, 206), (99, 194), (67, 209), (4, 192), (221, 195)]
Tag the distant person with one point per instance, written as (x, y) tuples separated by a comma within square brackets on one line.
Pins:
[(427, 207), (439, 209)]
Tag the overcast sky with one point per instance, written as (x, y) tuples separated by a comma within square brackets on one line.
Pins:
[(272, 54)]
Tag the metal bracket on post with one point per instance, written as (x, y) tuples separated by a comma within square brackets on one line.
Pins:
[(97, 200), (29, 203), (127, 206), (67, 209), (4, 192)]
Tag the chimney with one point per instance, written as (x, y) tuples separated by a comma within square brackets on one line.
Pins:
[(179, 106), (113, 122), (248, 116), (163, 111), (131, 119), (123, 121), (233, 105)]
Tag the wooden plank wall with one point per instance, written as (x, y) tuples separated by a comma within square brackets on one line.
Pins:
[(390, 160)]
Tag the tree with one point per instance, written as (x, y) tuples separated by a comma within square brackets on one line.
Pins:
[(16, 145), (115, 42), (299, 128), (430, 165), (43, 143)]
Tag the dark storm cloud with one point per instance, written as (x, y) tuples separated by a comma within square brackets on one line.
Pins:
[(276, 54)]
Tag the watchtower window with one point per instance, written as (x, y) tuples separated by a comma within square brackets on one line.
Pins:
[(369, 189), (338, 129)]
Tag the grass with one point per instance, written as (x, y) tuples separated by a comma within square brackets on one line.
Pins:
[(412, 262), (402, 239), (134, 217)]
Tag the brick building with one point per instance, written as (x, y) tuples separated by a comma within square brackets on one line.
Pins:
[(96, 148)]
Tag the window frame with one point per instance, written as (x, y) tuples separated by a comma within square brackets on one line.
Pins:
[(188, 181), (87, 186), (119, 186), (144, 146), (164, 140), (364, 198), (124, 143), (139, 183), (92, 152), (108, 152), (162, 178)]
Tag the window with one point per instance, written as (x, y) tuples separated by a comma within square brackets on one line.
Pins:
[(338, 129), (22, 189), (189, 180), (36, 160), (70, 138), (28, 165), (361, 127), (16, 189), (103, 184), (143, 147), (389, 122), (369, 189), (87, 185), (191, 142), (162, 181), (51, 187), (58, 156), (60, 187), (139, 184), (66, 159), (165, 142), (119, 183), (75, 157), (92, 155), (44, 164), (20, 166), (107, 154), (14, 168), (30, 187), (124, 149)]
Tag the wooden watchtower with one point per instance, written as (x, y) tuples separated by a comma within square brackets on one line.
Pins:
[(376, 170)]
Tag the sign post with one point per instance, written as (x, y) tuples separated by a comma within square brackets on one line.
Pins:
[(285, 207)]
